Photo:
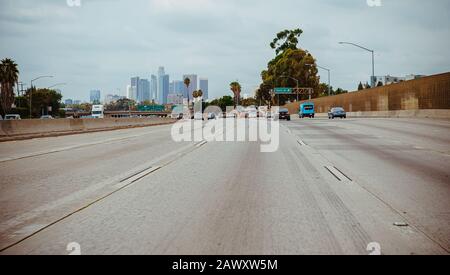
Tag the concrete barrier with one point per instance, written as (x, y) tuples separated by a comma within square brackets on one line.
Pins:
[(427, 97), (435, 114), (36, 127)]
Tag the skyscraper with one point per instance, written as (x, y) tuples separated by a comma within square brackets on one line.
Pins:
[(161, 73), (204, 87), (95, 96), (163, 86), (144, 90), (192, 87), (172, 87), (178, 87), (153, 87), (135, 86), (165, 89)]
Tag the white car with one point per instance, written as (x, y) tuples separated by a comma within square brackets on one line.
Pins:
[(252, 114), (231, 115), (13, 117), (198, 116)]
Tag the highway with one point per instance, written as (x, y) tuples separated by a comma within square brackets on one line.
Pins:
[(332, 187)]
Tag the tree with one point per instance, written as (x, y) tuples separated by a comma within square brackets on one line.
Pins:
[(360, 86), (123, 104), (223, 103), (380, 84), (291, 63), (297, 64), (9, 75), (187, 82), (45, 101), (287, 39), (197, 94), (249, 102), (236, 88), (367, 86)]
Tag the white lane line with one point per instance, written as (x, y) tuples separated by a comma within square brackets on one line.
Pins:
[(301, 142), (127, 182), (198, 145), (338, 174)]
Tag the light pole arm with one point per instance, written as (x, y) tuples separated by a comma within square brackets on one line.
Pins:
[(356, 45)]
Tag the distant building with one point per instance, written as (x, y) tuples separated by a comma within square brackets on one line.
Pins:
[(171, 87), (95, 96), (161, 88), (68, 102), (131, 92), (165, 81), (175, 99), (154, 87), (178, 87), (76, 102), (388, 79), (143, 90), (192, 87), (414, 76), (204, 87), (135, 81)]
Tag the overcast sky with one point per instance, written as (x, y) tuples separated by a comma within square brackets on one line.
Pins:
[(102, 43)]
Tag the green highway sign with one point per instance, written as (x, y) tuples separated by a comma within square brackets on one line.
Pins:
[(283, 91)]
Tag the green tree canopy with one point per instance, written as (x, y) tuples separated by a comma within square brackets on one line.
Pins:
[(287, 39), (9, 75), (123, 104), (42, 99), (223, 103), (284, 68)]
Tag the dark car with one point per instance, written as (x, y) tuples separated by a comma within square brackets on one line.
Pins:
[(337, 112), (284, 114)]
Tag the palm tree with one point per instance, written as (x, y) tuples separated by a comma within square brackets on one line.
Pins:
[(9, 75), (236, 89), (187, 82)]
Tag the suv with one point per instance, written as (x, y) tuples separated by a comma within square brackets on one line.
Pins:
[(337, 112), (284, 114)]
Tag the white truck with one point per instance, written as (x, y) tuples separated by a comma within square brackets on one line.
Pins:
[(98, 111)]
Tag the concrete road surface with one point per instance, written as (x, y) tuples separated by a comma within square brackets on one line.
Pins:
[(332, 187)]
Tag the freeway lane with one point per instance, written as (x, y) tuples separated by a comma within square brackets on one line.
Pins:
[(229, 198), (45, 179)]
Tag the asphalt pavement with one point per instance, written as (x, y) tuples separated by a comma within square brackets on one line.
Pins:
[(332, 187)]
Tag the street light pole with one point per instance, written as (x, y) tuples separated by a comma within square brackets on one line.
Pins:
[(373, 59), (56, 85), (31, 87), (329, 78)]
